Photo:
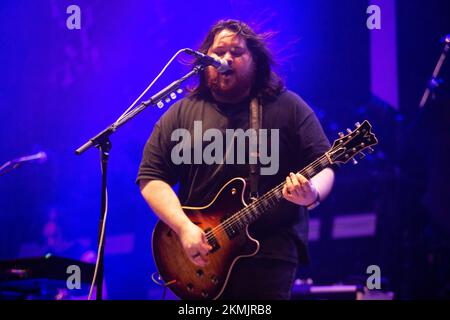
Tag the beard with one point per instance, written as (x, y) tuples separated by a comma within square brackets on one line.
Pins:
[(229, 86)]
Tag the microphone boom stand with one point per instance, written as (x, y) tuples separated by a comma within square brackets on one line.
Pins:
[(435, 82), (102, 142)]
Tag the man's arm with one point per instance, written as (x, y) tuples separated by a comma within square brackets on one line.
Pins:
[(303, 192), (323, 181), (164, 202), (162, 199)]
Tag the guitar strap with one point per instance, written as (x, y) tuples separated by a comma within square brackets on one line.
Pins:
[(255, 124)]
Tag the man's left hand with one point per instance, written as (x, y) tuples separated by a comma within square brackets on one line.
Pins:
[(299, 190)]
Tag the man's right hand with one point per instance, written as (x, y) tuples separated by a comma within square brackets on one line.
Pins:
[(195, 244)]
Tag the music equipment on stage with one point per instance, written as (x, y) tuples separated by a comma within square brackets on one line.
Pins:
[(221, 65), (435, 81), (225, 221), (15, 163), (39, 277), (309, 291)]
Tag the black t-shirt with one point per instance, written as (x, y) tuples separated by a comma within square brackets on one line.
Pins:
[(282, 234)]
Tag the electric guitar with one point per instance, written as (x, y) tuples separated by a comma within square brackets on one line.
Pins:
[(225, 221)]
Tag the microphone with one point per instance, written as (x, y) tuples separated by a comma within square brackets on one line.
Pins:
[(40, 157), (15, 163), (221, 65), (435, 82)]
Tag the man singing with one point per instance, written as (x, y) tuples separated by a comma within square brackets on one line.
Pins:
[(221, 101)]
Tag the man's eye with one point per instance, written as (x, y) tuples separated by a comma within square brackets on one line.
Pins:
[(238, 52), (219, 53)]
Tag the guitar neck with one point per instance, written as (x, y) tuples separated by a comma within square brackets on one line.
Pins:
[(273, 197)]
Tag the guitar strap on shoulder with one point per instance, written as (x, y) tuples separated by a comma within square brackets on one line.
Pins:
[(255, 124)]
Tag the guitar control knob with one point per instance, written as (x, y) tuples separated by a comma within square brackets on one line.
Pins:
[(190, 286), (199, 273), (205, 294), (214, 280)]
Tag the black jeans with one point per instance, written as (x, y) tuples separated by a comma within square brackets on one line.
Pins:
[(260, 279)]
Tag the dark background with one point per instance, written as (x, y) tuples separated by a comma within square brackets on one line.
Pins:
[(59, 87)]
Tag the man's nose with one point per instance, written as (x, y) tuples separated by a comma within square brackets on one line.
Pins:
[(229, 58)]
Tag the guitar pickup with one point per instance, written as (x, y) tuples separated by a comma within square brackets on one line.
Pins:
[(212, 241), (230, 230)]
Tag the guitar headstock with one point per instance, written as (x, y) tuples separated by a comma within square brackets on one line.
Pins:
[(354, 142)]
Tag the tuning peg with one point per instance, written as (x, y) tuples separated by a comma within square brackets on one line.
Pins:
[(179, 90), (354, 161), (361, 155), (173, 95), (341, 134), (357, 124), (160, 104), (370, 150), (349, 130), (167, 100)]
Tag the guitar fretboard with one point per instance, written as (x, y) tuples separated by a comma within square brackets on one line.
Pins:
[(269, 200)]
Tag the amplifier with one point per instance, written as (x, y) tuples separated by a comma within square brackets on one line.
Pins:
[(305, 290)]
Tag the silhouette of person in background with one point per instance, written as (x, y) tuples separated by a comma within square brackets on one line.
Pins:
[(57, 243)]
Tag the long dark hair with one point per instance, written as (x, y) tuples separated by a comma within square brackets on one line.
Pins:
[(267, 83)]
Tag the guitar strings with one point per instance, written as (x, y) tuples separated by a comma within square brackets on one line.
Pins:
[(272, 193), (268, 196)]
